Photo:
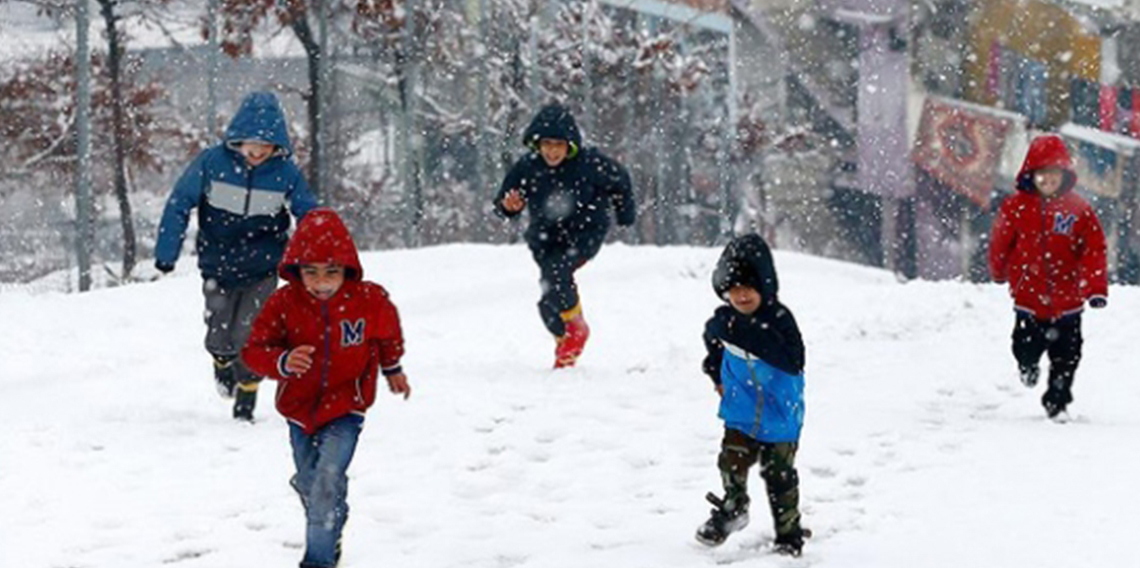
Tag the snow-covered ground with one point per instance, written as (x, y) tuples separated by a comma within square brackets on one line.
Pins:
[(921, 448)]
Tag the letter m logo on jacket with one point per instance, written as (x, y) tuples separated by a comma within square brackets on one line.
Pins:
[(1063, 224), (351, 332)]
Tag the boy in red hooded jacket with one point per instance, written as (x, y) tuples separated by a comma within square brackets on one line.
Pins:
[(1048, 244), (323, 337)]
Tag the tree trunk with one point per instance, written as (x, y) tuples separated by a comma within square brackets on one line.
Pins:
[(304, 33), (114, 68)]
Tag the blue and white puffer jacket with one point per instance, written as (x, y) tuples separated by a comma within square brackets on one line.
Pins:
[(243, 211), (758, 359)]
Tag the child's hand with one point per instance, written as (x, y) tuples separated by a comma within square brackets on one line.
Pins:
[(398, 384), (299, 359), (514, 202)]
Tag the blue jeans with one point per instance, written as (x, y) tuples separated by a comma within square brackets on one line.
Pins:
[(322, 460)]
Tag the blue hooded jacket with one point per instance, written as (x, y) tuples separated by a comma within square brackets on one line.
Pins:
[(758, 359), (243, 223)]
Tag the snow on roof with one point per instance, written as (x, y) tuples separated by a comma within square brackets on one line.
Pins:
[(864, 18), (1116, 142), (25, 33), (1105, 4)]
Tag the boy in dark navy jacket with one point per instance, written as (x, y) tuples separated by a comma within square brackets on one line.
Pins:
[(756, 360), (568, 191), (244, 190)]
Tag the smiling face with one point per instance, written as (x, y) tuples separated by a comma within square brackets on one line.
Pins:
[(322, 279), (744, 299), (256, 153), (1048, 181), (553, 150)]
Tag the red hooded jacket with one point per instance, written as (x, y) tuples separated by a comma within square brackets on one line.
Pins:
[(1050, 250), (354, 332)]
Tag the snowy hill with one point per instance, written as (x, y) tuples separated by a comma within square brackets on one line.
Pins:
[(921, 448)]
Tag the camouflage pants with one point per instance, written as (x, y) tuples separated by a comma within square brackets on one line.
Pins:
[(738, 453)]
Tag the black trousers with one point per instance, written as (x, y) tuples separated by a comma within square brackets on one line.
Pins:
[(1062, 339), (557, 264)]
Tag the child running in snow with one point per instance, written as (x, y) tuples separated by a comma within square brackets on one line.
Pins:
[(1048, 244), (244, 190), (756, 360), (568, 191), (323, 337)]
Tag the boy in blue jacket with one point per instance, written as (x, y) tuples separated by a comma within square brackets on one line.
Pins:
[(244, 190), (756, 360)]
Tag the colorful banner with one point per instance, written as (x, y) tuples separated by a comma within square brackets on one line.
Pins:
[(961, 147)]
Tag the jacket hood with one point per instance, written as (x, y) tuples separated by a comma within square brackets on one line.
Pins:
[(1047, 151), (260, 118), (321, 236), (553, 121), (747, 260)]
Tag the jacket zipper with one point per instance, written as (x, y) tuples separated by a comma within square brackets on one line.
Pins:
[(759, 393), (248, 187), (324, 363), (1044, 240)]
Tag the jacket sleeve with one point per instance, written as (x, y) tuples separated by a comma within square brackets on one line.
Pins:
[(267, 346), (1002, 239), (301, 200), (389, 342), (715, 352), (789, 353), (515, 179), (1093, 264), (176, 215), (618, 185)]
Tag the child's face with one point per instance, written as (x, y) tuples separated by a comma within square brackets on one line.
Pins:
[(553, 151), (1048, 181), (322, 279), (256, 153), (745, 299)]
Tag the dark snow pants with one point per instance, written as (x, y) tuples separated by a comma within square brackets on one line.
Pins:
[(1062, 339), (557, 264), (230, 312), (738, 453)]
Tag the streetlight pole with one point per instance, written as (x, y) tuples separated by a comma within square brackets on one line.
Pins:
[(84, 236)]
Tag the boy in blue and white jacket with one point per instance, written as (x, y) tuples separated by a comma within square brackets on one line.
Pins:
[(244, 190), (756, 360)]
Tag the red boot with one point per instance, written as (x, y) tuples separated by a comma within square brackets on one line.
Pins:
[(571, 343)]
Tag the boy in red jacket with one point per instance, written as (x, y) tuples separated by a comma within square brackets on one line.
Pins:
[(1048, 244), (323, 337)]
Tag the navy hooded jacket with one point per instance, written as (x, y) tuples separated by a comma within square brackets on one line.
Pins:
[(568, 204), (758, 359), (243, 223)]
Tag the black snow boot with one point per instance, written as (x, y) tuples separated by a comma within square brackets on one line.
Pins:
[(224, 378), (244, 401), (727, 517), (1029, 374), (791, 544)]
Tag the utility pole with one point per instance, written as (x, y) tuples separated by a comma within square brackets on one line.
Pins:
[(323, 92), (212, 61), (482, 188), (728, 172), (84, 234), (587, 83)]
